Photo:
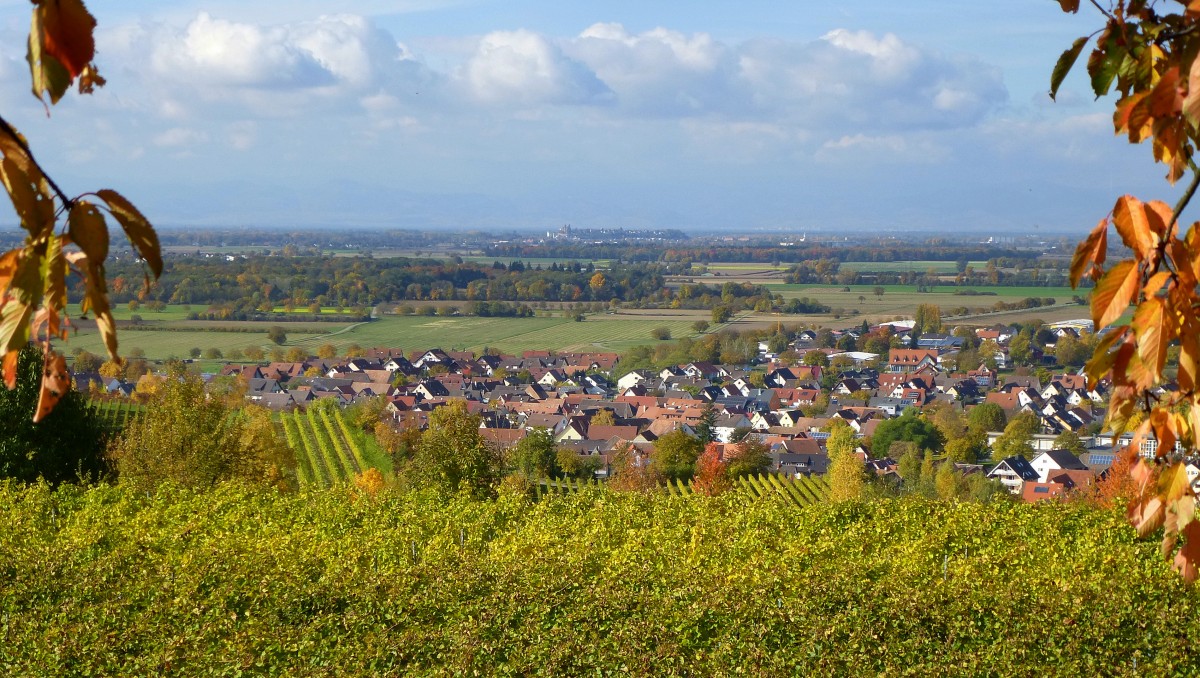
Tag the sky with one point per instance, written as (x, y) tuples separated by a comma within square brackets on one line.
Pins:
[(870, 116)]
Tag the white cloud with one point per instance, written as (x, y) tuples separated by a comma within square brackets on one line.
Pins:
[(177, 137), (286, 69), (661, 72), (523, 67)]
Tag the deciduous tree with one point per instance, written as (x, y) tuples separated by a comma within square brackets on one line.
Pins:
[(185, 437), (453, 456), (675, 454)]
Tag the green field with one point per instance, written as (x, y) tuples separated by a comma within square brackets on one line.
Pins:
[(598, 332), (941, 267)]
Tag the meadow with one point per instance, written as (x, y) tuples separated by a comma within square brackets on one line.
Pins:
[(598, 332)]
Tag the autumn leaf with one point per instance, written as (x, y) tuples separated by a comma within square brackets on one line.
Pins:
[(56, 382), (1189, 554), (1090, 254), (1066, 61), (1071, 6), (1113, 293), (67, 33), (1153, 332), (1146, 515), (48, 75), (137, 228), (88, 229), (1173, 483), (1133, 223)]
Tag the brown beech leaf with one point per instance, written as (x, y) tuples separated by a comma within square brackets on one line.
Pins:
[(1071, 6), (1090, 253), (56, 382), (67, 28), (1113, 293)]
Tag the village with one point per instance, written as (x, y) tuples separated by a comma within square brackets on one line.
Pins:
[(786, 401)]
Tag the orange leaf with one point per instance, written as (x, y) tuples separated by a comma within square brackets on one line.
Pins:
[(56, 381), (1189, 554), (1162, 424), (1165, 100), (1153, 334), (10, 369), (1113, 293), (1147, 515), (1133, 224), (67, 33), (1089, 254), (1191, 103)]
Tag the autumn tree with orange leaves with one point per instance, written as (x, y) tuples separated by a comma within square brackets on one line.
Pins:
[(1148, 58), (64, 234)]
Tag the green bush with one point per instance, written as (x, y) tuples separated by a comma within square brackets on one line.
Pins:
[(120, 582)]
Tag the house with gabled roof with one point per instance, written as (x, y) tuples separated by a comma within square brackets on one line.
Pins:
[(1013, 472), (1052, 461)]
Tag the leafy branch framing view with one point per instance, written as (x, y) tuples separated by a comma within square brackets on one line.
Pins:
[(33, 278), (1150, 60)]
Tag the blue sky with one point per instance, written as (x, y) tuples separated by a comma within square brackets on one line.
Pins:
[(432, 114)]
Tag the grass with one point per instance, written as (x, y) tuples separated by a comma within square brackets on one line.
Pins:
[(598, 332)]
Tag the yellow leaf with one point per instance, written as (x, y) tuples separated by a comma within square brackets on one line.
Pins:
[(137, 228), (1113, 293), (97, 301), (88, 229), (1173, 482), (35, 209)]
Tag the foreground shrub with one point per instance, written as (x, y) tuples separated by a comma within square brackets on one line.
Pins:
[(116, 581)]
